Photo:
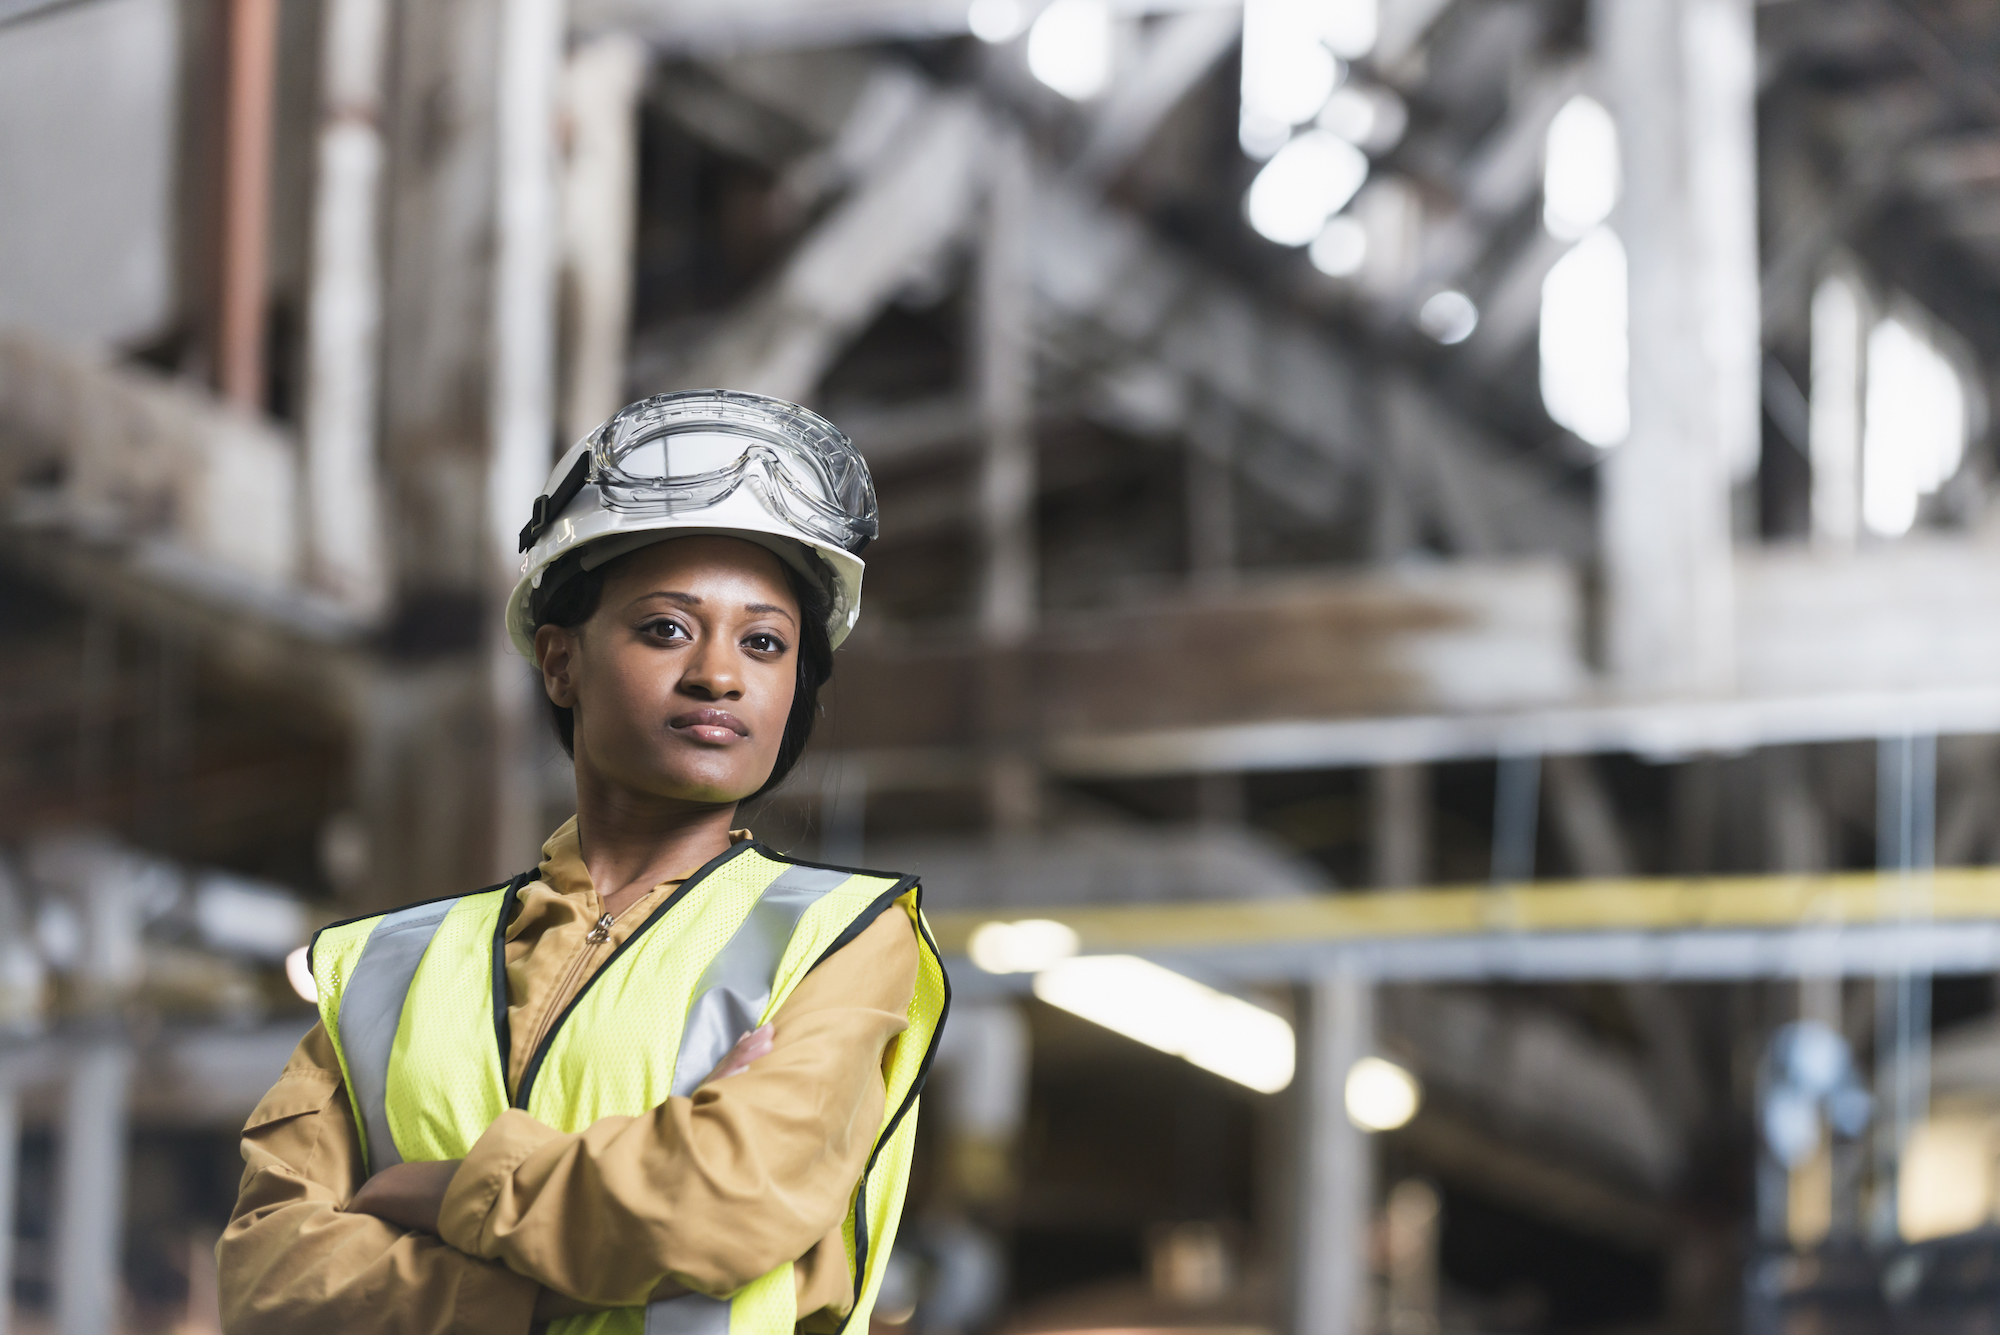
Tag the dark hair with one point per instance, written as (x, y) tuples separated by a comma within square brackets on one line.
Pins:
[(570, 599)]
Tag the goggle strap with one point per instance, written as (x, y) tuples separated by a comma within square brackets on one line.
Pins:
[(549, 506)]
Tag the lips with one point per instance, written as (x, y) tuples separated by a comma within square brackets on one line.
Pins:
[(718, 727)]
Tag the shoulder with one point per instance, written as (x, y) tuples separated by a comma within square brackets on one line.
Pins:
[(876, 967), (357, 930), (856, 885)]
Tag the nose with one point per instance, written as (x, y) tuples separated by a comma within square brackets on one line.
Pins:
[(713, 671)]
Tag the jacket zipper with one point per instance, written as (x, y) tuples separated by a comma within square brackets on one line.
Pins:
[(545, 1035), (599, 933)]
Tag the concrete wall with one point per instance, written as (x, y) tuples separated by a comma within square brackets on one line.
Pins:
[(87, 114)]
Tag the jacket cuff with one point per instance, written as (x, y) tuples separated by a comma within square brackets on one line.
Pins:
[(496, 1302), (465, 1219)]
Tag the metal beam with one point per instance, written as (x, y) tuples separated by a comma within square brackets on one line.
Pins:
[(916, 203), (521, 406), (1585, 818), (1498, 178), (1104, 281), (1681, 74), (1177, 56), (342, 495), (1399, 825), (1330, 1289), (602, 83), (1711, 928), (1667, 730), (1466, 661), (91, 1189), (10, 1163), (701, 27), (145, 462)]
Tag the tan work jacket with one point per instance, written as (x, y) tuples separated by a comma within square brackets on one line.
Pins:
[(710, 1191)]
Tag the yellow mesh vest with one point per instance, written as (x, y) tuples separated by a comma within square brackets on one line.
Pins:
[(415, 1004)]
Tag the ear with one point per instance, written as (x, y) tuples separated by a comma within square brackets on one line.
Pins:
[(555, 650)]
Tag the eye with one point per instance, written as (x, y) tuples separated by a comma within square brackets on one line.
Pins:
[(665, 628), (763, 642)]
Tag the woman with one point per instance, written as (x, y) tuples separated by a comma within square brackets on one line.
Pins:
[(666, 1082)]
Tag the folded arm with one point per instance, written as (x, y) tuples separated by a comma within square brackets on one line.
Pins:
[(293, 1259), (710, 1191)]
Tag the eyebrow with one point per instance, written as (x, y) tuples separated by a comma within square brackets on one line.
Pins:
[(687, 599), (690, 600)]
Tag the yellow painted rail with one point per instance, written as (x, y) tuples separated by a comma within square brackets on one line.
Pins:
[(1635, 905)]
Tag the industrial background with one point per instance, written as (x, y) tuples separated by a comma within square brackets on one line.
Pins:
[(1436, 638)]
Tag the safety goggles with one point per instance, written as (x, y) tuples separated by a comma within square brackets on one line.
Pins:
[(681, 454)]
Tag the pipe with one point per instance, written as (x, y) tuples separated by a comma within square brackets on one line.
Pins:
[(10, 1159), (246, 197), (345, 552), (91, 1190), (521, 407)]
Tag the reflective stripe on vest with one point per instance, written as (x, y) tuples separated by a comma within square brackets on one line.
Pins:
[(370, 1008), (721, 954), (735, 989)]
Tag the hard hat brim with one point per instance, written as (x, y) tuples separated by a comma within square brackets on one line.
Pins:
[(843, 567)]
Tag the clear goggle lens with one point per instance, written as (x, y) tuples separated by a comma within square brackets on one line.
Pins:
[(686, 453)]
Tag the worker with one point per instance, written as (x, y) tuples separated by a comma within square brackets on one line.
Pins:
[(667, 1081)]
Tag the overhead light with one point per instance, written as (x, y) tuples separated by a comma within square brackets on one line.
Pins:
[(1175, 1014), (1369, 118), (1341, 248), (1306, 182), (298, 972), (1259, 135), (1584, 343), (1380, 1095), (1944, 1183), (1448, 316), (1020, 947), (1914, 424), (1287, 69), (1350, 27), (996, 20), (1580, 173), (1069, 48)]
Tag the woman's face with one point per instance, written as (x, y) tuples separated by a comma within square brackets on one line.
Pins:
[(683, 678)]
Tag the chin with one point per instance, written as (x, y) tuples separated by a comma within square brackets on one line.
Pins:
[(714, 784)]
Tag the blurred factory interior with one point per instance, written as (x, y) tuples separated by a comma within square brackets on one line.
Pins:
[(1532, 449)]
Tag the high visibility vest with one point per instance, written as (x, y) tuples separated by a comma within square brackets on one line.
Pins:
[(415, 1002)]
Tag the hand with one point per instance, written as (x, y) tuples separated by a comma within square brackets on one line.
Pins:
[(407, 1194), (755, 1044)]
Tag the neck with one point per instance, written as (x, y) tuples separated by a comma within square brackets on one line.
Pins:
[(631, 842)]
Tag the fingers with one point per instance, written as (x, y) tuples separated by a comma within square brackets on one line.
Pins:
[(757, 1043)]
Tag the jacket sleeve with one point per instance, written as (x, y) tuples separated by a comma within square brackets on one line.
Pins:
[(292, 1260), (710, 1191)]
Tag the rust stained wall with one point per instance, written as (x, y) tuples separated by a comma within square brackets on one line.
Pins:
[(1431, 639)]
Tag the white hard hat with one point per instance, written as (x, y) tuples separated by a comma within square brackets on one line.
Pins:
[(699, 462)]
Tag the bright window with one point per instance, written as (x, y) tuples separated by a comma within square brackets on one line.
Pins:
[(1914, 422)]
